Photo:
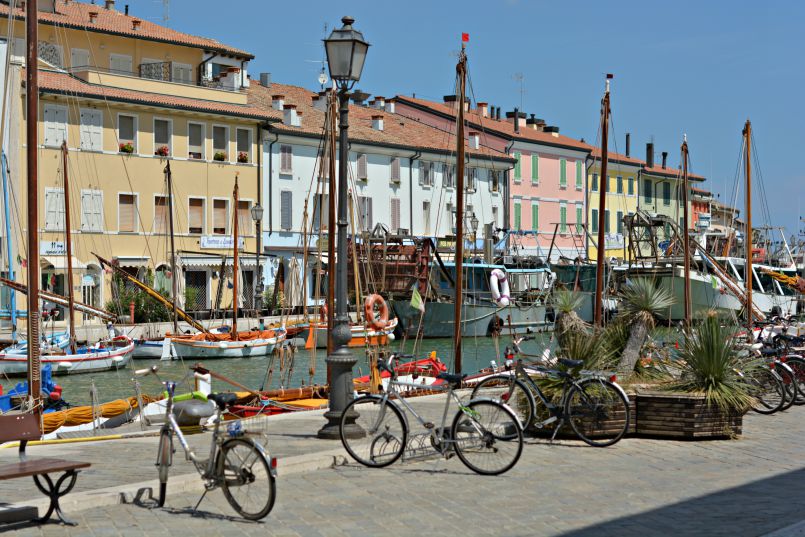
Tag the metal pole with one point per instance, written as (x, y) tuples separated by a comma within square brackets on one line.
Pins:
[(69, 245), (235, 265), (331, 189), (685, 224), (174, 276), (461, 71), (602, 205), (341, 360), (748, 238)]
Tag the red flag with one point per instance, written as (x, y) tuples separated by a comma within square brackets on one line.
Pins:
[(465, 37)]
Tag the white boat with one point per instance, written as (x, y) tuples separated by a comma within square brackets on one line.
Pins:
[(102, 356), (246, 345), (767, 294), (54, 343)]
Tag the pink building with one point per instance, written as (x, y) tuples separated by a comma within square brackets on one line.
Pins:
[(545, 190)]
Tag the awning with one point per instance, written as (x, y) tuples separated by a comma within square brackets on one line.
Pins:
[(213, 261), (132, 261), (60, 262)]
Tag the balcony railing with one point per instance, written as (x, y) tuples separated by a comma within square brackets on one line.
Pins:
[(164, 72)]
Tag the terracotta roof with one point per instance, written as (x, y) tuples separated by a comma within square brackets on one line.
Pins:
[(498, 126), (671, 172), (398, 131), (73, 14), (63, 83), (616, 157), (701, 191)]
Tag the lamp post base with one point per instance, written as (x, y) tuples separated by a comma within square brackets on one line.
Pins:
[(340, 364)]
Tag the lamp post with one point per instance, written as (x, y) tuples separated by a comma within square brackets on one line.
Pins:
[(474, 227), (257, 217), (346, 53)]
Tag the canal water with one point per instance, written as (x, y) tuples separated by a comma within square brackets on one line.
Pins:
[(251, 372)]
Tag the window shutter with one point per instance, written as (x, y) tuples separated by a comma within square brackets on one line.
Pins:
[(286, 206), (85, 130), (563, 218), (91, 130), (579, 218), (97, 130), (421, 173), (534, 216), (79, 58), (220, 142), (160, 215), (126, 212), (54, 210), (619, 223), (562, 172), (362, 165), (395, 170), (97, 211), (535, 168), (395, 214), (369, 221), (578, 174), (606, 221), (286, 159), (517, 166), (196, 216), (517, 216), (219, 217), (594, 223), (245, 223), (86, 211)]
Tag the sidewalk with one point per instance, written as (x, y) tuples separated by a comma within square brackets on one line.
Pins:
[(751, 486)]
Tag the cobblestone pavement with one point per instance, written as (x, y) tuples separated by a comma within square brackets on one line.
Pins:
[(751, 486)]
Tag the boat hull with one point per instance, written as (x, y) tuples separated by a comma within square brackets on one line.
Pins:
[(207, 350), (92, 361), (315, 335)]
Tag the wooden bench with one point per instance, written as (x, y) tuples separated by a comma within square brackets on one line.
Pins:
[(24, 427)]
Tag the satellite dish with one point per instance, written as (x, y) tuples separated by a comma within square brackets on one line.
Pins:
[(322, 78)]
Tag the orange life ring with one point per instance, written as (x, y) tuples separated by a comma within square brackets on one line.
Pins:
[(378, 323), (323, 312)]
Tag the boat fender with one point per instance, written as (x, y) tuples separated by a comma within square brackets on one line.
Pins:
[(499, 285), (380, 322)]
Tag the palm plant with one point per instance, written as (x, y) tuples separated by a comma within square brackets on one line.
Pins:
[(565, 303), (641, 302)]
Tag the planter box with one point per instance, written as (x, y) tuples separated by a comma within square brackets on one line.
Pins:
[(684, 416), (566, 432)]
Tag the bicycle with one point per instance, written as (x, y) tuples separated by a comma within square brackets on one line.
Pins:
[(596, 407), (237, 463), (485, 434)]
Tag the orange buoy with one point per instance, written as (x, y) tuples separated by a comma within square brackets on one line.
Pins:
[(376, 323), (323, 312)]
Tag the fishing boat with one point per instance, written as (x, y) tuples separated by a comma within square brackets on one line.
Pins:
[(103, 356), (315, 335)]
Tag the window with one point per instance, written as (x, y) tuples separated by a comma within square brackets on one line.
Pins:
[(55, 125), (91, 129), (220, 143), (594, 223), (494, 181), (647, 194), (517, 216), (286, 159), (426, 173), (594, 186), (220, 217), (321, 211), (579, 219), (91, 210), (494, 217), (535, 216), (535, 169), (244, 145), (395, 170), (365, 212), (160, 226), (619, 223), (79, 57), (517, 176), (195, 140), (245, 222), (162, 137), (363, 172), (50, 53), (127, 131), (182, 72), (120, 64), (395, 215), (562, 218), (195, 216), (578, 175), (630, 182), (127, 213), (563, 173), (667, 228), (448, 175), (54, 209), (472, 179), (426, 217), (286, 210), (666, 193), (606, 221), (450, 216), (619, 184)]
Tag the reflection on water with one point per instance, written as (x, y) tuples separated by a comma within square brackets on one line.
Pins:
[(252, 372)]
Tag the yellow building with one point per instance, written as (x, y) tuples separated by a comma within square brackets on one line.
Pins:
[(129, 98), (621, 200)]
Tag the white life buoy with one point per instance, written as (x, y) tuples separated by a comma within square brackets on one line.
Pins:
[(499, 285)]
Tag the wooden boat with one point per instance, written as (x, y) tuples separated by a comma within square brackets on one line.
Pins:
[(238, 345), (315, 335), (103, 356)]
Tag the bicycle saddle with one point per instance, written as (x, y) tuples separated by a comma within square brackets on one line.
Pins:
[(769, 351), (571, 363), (223, 400), (455, 380)]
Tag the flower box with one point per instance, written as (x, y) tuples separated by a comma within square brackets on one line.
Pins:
[(127, 148), (243, 157), (684, 416), (220, 156), (162, 151)]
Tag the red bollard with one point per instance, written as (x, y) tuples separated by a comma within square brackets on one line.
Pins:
[(131, 311)]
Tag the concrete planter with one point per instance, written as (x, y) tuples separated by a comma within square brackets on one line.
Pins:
[(684, 416)]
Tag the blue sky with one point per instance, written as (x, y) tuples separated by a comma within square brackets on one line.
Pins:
[(692, 67)]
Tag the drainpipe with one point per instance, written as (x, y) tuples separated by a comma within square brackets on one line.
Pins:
[(242, 75), (507, 199), (203, 62), (271, 185), (411, 160)]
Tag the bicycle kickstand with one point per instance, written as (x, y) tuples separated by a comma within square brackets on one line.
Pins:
[(195, 509), (556, 430)]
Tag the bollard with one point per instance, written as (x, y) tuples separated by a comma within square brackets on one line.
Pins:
[(131, 311)]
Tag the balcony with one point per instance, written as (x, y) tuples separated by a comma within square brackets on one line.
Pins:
[(166, 78)]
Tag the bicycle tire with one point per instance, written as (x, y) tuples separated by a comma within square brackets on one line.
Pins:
[(164, 460), (510, 391), (385, 427), (487, 430), (241, 464), (767, 391), (789, 384), (598, 412), (797, 365)]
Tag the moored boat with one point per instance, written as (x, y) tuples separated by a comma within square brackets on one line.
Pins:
[(242, 345), (103, 356)]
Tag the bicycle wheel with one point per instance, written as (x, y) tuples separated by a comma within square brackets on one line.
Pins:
[(385, 428), (164, 460), (767, 390), (508, 390), (487, 437), (598, 412), (789, 384), (246, 479), (797, 365)]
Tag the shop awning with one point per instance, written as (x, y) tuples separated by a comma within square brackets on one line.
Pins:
[(132, 261), (212, 261), (59, 262)]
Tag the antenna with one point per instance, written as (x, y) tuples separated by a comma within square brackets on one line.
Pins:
[(518, 77), (166, 6)]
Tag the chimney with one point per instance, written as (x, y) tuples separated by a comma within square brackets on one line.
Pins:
[(497, 113), (475, 140), (628, 143), (110, 5), (466, 105), (553, 130), (135, 24), (379, 102), (483, 109), (390, 105), (127, 9), (265, 80), (535, 123), (451, 100), (515, 118), (650, 155), (278, 102), (664, 158), (290, 117), (377, 122), (93, 16)]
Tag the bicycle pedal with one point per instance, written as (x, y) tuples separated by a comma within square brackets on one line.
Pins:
[(429, 425), (548, 421)]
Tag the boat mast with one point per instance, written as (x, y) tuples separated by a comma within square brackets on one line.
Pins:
[(685, 224), (174, 275), (12, 303), (461, 71), (68, 239), (31, 149), (602, 205), (748, 238), (235, 267)]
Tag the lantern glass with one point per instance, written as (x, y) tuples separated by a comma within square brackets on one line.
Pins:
[(346, 52), (257, 212)]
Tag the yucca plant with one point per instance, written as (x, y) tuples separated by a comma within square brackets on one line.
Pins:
[(565, 304), (710, 361), (641, 302)]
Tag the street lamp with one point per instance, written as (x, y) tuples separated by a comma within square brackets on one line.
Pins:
[(474, 227), (346, 53), (257, 217)]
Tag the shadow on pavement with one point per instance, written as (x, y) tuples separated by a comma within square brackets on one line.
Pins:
[(757, 508)]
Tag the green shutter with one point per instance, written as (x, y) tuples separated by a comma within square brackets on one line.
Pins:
[(606, 221), (579, 219), (594, 223), (517, 216), (517, 167), (619, 223), (595, 182), (563, 172), (534, 216), (578, 174), (563, 218), (535, 168), (631, 186)]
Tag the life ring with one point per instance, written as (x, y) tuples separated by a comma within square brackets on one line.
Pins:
[(323, 313), (499, 285), (376, 323)]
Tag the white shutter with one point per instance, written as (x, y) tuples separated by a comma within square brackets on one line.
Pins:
[(395, 214), (79, 57), (286, 159), (61, 124), (182, 73), (97, 211), (86, 210), (54, 210), (55, 125), (286, 208), (91, 130), (421, 173), (362, 167), (369, 223)]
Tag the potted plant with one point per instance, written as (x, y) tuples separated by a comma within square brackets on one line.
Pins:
[(566, 304), (162, 151), (219, 156), (641, 302), (243, 157), (127, 147)]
